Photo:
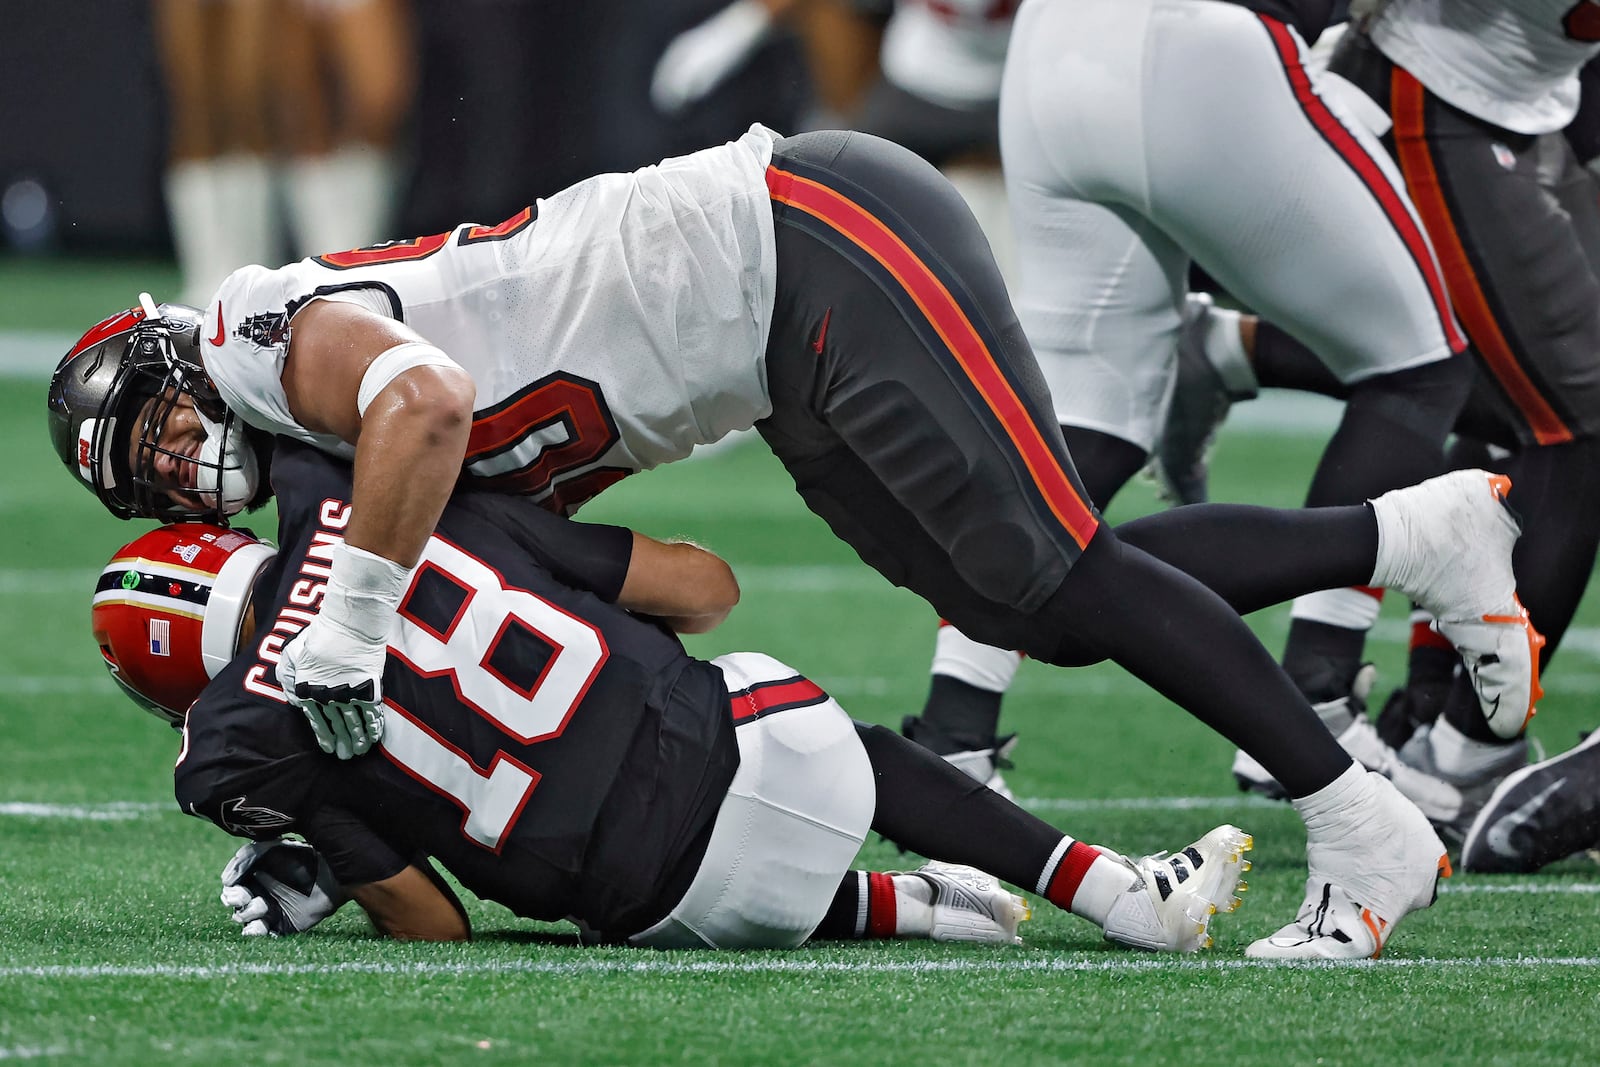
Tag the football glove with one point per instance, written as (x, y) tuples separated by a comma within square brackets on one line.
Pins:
[(702, 58), (279, 887), (333, 669)]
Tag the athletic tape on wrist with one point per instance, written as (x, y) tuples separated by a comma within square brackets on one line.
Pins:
[(363, 590)]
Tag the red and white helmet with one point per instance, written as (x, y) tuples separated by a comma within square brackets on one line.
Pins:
[(169, 607)]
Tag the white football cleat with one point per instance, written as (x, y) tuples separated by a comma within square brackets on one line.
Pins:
[(1446, 543), (1170, 907), (969, 905), (1372, 862), (1440, 752)]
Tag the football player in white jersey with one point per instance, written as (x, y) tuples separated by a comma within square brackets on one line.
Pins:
[(1471, 97), (833, 290), (1139, 138)]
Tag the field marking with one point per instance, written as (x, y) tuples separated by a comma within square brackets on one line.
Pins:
[(656, 964), (114, 811), (31, 1052)]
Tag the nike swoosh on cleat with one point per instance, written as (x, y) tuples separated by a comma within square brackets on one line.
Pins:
[(222, 333), (1499, 835)]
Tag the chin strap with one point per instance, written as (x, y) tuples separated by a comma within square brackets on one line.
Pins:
[(227, 456)]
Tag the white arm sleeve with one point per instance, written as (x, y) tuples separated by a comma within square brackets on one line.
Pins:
[(392, 363)]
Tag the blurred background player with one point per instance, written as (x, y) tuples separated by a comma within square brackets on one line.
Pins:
[(298, 103), (922, 73), (1471, 98), (1142, 137), (1539, 814), (647, 796)]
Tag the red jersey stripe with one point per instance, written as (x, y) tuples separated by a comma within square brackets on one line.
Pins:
[(1407, 98)]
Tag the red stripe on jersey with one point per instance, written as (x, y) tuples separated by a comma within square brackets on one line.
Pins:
[(869, 233), (1371, 174), (759, 699), (1070, 873), (882, 913), (1407, 99)]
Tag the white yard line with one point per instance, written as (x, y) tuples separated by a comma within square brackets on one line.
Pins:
[(115, 811), (657, 964)]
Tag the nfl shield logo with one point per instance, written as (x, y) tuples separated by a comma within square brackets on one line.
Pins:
[(160, 637)]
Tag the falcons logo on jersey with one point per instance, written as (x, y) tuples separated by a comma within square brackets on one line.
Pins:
[(243, 819)]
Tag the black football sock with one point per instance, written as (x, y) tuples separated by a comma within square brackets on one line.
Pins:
[(1555, 490), (1204, 658), (1392, 433), (1105, 463), (928, 807), (1323, 659), (1281, 362), (957, 717)]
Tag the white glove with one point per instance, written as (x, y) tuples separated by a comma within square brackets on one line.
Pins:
[(699, 59), (333, 669), (278, 887)]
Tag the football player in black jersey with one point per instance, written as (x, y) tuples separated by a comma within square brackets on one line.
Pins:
[(567, 758)]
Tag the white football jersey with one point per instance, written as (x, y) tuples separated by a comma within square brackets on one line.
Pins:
[(951, 52), (1510, 62), (609, 328)]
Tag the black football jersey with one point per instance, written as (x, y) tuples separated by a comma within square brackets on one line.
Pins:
[(553, 752), (1310, 17)]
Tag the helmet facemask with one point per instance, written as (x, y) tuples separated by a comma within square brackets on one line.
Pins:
[(159, 366)]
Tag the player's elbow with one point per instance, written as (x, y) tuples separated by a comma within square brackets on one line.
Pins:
[(432, 404), (718, 595)]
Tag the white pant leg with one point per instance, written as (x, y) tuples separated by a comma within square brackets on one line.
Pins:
[(1298, 209), (1191, 115), (796, 813)]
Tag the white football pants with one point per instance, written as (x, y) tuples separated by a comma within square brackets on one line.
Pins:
[(1138, 134), (796, 813)]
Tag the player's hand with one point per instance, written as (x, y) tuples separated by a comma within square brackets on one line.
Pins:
[(335, 677), (279, 887), (700, 59), (333, 669)]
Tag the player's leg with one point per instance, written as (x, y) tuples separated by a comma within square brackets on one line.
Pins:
[(1309, 272), (926, 805), (922, 433), (1097, 291), (340, 178), (1518, 228)]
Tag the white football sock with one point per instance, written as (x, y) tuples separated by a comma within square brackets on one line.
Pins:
[(981, 666), (340, 200)]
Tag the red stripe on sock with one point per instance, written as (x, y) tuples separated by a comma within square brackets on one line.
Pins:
[(881, 910), (1070, 874), (1371, 590), (1423, 635)]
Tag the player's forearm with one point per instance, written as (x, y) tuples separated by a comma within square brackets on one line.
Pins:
[(408, 458), (411, 906), (688, 587)]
